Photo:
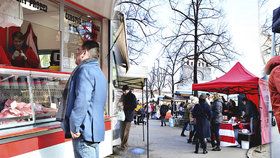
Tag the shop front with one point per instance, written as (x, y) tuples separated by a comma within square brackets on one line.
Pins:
[(38, 42)]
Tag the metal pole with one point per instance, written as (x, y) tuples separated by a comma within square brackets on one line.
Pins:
[(273, 45), (147, 117), (61, 29), (141, 116)]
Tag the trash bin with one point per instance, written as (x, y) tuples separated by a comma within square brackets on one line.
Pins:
[(245, 139)]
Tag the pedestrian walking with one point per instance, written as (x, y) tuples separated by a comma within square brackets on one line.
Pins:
[(85, 96), (186, 118), (216, 120), (272, 69), (129, 104), (163, 110), (193, 102), (202, 115)]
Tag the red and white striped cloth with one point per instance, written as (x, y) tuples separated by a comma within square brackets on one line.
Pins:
[(227, 135)]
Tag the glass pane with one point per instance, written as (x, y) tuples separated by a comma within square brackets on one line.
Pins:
[(77, 26), (15, 103), (47, 96)]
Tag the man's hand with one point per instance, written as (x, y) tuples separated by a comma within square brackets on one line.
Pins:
[(23, 55), (75, 135), (16, 54)]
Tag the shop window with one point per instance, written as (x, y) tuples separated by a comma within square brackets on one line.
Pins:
[(47, 97), (38, 21), (78, 27)]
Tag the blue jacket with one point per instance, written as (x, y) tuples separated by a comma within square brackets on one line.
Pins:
[(86, 98)]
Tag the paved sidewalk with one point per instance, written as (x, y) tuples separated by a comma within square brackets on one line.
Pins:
[(166, 142)]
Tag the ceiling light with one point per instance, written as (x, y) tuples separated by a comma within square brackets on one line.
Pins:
[(27, 5)]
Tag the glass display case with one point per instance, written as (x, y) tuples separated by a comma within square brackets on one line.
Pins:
[(29, 97)]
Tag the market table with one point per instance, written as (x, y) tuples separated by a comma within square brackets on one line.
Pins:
[(227, 135)]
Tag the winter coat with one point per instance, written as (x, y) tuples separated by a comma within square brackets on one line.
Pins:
[(163, 110), (186, 116), (191, 118), (217, 108), (202, 113), (85, 101), (273, 68), (129, 104)]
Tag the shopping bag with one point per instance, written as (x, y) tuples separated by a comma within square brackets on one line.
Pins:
[(121, 115)]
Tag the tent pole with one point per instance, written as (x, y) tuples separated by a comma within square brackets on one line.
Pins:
[(260, 120), (146, 83), (142, 105)]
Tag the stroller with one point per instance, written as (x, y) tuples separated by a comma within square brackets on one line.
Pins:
[(139, 116)]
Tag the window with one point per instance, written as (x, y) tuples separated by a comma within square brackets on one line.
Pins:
[(38, 21), (78, 27)]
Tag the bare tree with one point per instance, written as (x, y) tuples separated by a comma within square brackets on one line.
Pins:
[(157, 79), (266, 32), (161, 77), (151, 82), (200, 27), (175, 62), (141, 26)]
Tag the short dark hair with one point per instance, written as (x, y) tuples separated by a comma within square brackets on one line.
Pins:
[(88, 45), (17, 35), (125, 87)]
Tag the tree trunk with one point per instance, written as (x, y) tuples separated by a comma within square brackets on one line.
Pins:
[(159, 91), (172, 86), (196, 9)]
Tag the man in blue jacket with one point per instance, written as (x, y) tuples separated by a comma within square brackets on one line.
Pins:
[(85, 97)]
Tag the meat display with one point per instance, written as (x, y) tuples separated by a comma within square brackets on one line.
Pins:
[(18, 109)]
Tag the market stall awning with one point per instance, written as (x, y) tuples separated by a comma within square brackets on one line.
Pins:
[(236, 80), (120, 46), (134, 77)]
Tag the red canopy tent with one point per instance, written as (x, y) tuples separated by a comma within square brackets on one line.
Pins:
[(239, 80)]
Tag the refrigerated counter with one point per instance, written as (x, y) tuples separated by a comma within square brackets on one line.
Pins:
[(29, 100)]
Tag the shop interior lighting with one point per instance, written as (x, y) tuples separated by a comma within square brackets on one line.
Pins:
[(27, 5)]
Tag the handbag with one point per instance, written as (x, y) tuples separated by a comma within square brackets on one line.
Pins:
[(121, 115)]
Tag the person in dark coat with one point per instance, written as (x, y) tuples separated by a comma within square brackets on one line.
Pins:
[(202, 114), (186, 119), (129, 104), (252, 115), (163, 110), (216, 120)]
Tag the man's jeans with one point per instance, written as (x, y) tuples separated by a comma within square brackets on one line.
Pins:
[(84, 149)]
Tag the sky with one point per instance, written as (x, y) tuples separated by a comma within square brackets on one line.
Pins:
[(242, 18)]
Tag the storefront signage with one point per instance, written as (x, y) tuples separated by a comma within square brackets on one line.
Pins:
[(35, 4), (73, 18), (78, 20)]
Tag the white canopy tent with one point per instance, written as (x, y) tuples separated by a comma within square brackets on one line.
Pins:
[(134, 77)]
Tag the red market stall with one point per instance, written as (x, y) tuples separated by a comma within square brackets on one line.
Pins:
[(239, 80)]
